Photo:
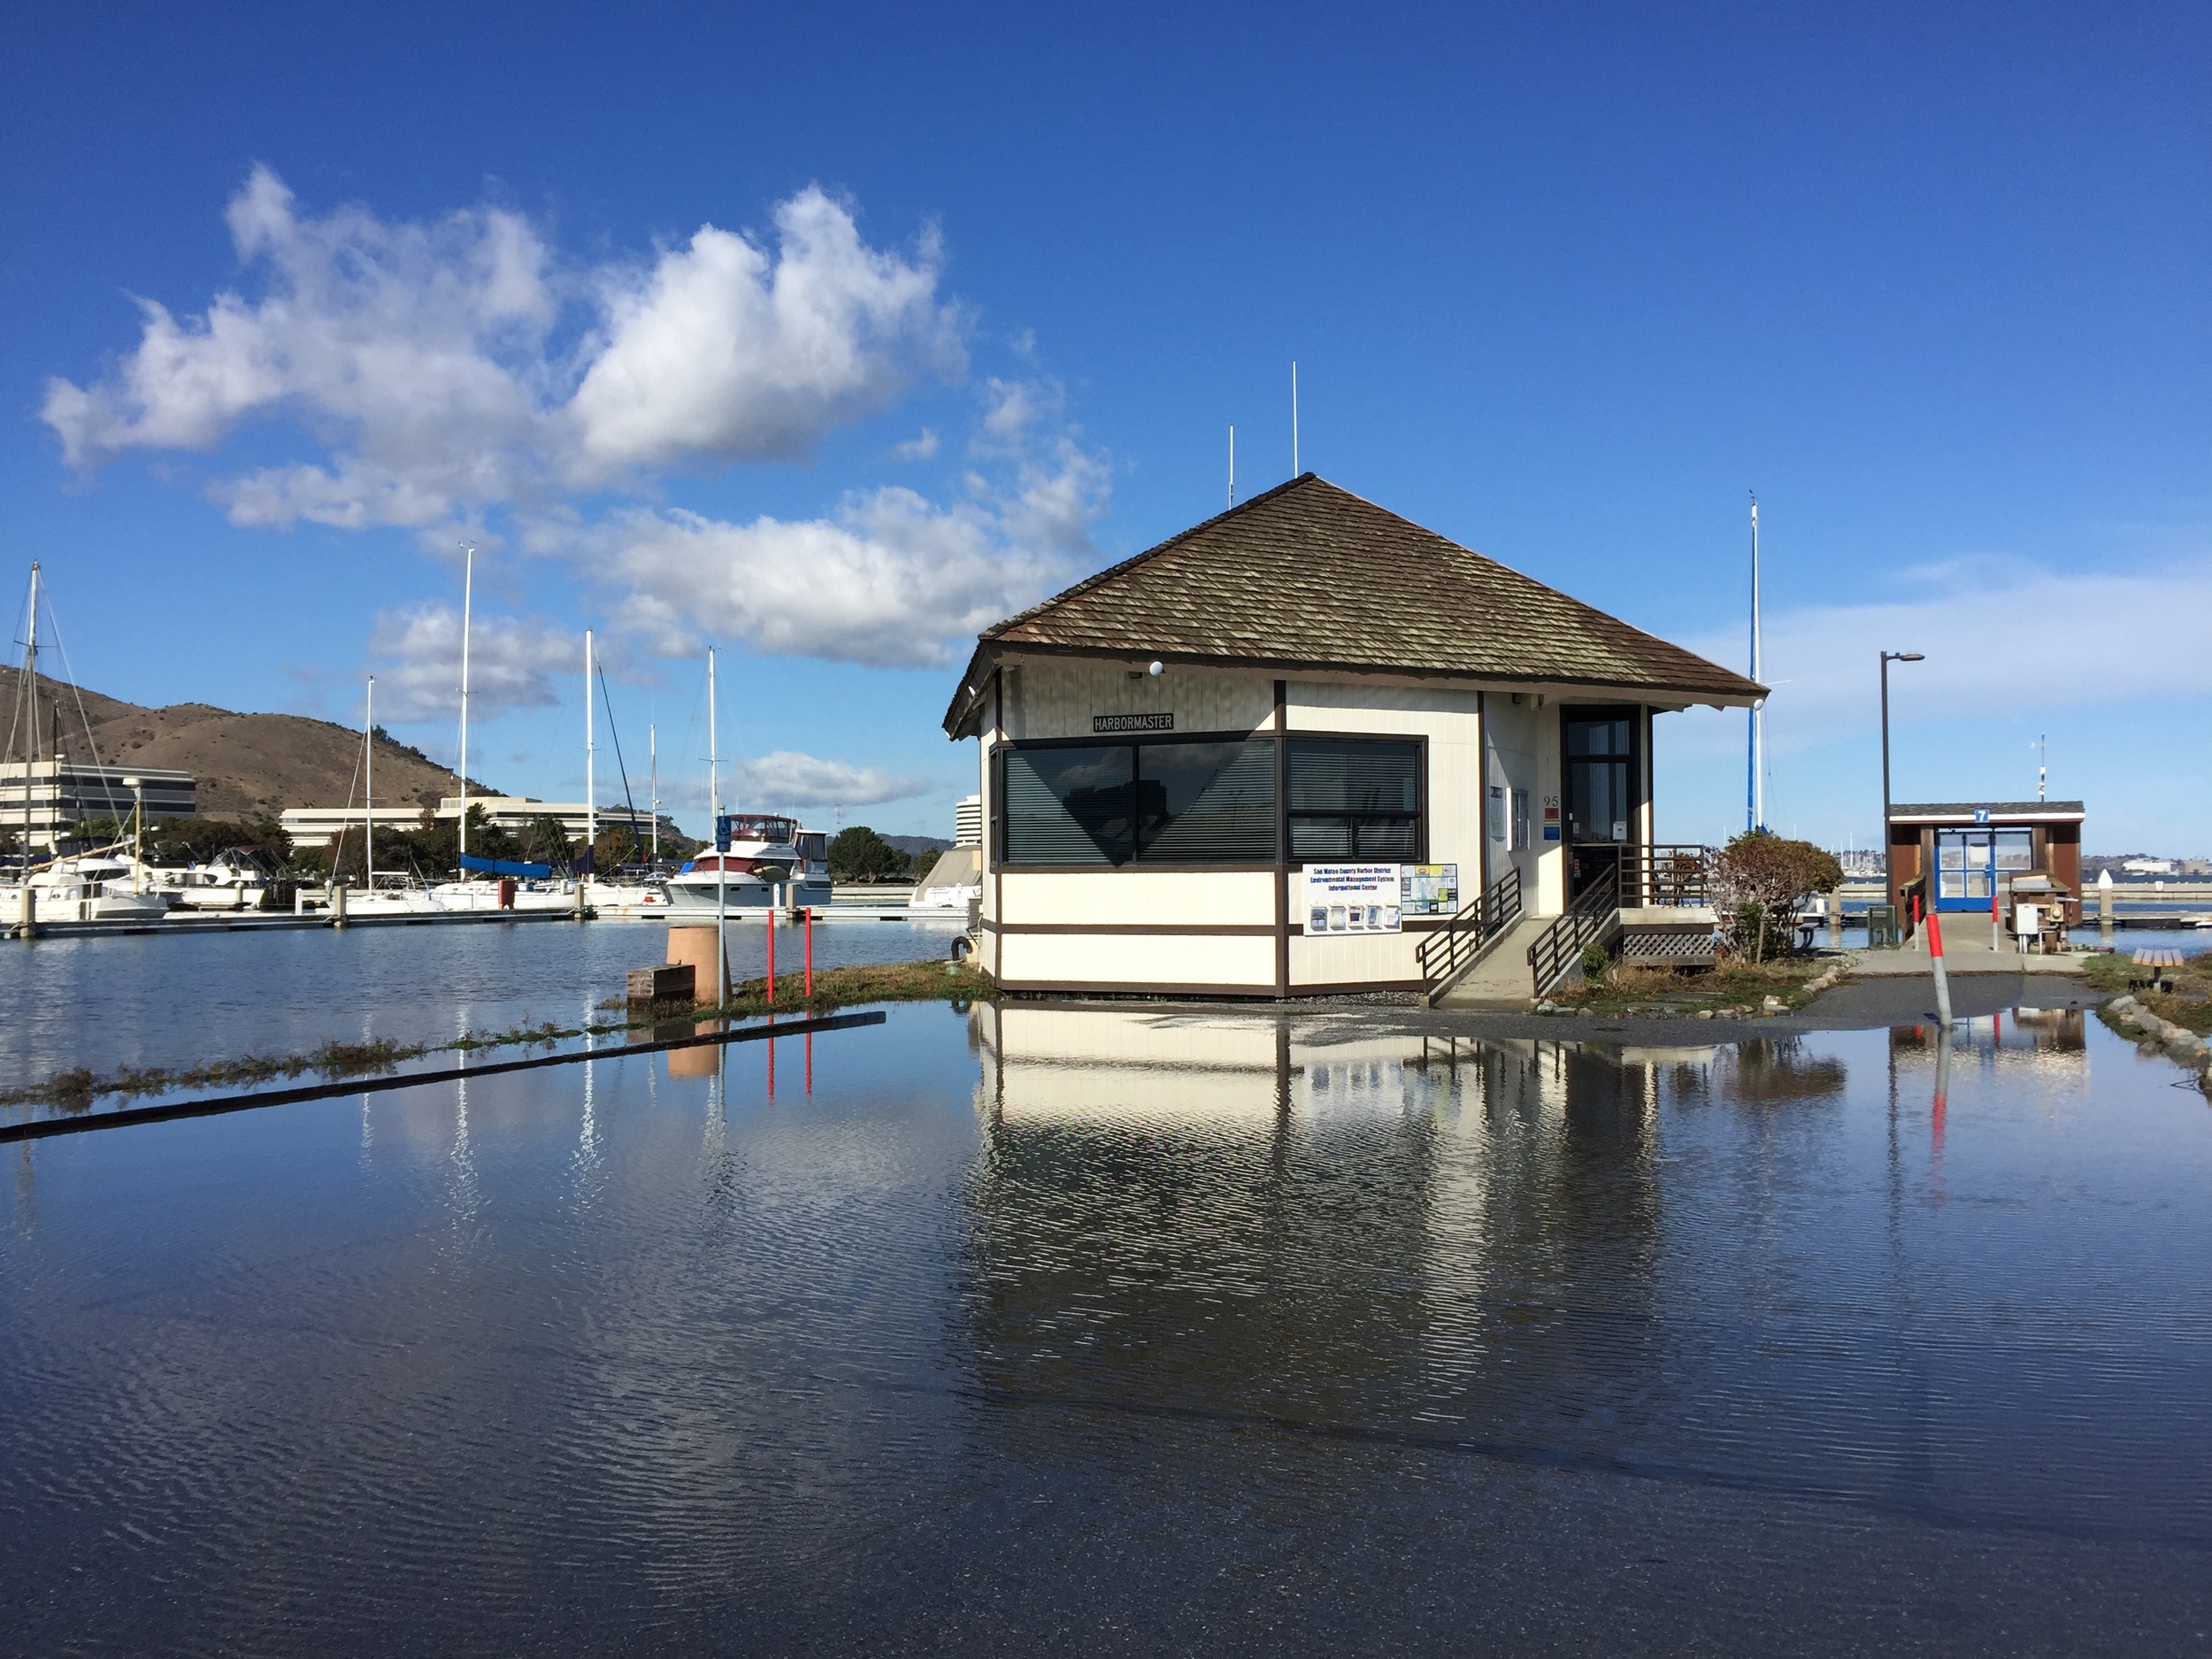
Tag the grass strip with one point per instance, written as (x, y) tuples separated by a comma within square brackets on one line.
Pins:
[(74, 1090)]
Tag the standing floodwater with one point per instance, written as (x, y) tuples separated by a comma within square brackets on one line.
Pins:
[(1047, 1329)]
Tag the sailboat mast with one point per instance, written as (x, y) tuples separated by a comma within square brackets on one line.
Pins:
[(468, 588), (368, 810), (591, 744), (1754, 792), (30, 757), (721, 858), (653, 755)]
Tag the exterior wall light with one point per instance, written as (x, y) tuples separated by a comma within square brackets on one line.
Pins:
[(1156, 669)]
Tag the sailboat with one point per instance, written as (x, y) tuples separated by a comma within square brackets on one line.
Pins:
[(96, 887)]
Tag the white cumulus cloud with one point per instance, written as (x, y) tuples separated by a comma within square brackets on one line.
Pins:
[(788, 778), (511, 663), (722, 350), (889, 579), (425, 360)]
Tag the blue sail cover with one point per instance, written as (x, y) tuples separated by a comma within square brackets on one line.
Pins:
[(503, 867)]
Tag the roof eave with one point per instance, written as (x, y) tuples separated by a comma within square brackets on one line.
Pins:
[(1742, 696)]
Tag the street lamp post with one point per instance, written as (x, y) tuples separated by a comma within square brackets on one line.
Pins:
[(1889, 856)]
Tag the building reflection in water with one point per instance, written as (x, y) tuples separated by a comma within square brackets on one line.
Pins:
[(1300, 1219), (2052, 1040)]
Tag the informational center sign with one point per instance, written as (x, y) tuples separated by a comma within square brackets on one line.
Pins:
[(1353, 898), (1429, 889)]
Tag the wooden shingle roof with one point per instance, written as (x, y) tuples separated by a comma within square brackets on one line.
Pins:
[(1308, 579)]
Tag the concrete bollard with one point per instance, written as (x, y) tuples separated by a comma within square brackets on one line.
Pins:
[(337, 904), (1835, 919), (693, 945)]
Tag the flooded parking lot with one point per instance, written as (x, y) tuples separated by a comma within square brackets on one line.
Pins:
[(1129, 1330)]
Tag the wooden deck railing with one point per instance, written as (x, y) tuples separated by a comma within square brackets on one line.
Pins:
[(1459, 941)]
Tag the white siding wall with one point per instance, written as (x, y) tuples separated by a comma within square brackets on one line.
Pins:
[(1058, 699), (1141, 961), (1138, 898)]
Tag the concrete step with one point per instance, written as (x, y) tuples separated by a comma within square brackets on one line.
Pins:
[(1500, 980)]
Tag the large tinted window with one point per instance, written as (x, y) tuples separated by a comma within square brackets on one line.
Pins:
[(1350, 800), (1206, 801), (1070, 806), (1167, 802)]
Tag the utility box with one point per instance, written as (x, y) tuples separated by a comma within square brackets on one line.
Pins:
[(672, 982), (1881, 927)]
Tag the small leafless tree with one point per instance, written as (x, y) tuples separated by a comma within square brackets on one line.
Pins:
[(1759, 880)]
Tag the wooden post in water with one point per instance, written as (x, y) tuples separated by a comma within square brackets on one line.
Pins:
[(27, 921)]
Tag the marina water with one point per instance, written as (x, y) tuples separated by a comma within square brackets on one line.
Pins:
[(1119, 1331)]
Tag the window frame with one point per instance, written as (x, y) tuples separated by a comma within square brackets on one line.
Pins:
[(1282, 861)]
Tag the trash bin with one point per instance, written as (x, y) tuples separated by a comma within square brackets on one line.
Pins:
[(1881, 927)]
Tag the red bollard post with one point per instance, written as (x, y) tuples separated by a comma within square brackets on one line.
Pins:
[(810, 970)]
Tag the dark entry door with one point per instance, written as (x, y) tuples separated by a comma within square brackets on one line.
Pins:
[(1600, 793)]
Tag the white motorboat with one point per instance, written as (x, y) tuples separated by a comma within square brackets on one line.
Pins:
[(228, 881), (771, 862), (95, 887), (952, 883)]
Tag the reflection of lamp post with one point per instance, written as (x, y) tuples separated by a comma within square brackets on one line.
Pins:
[(1889, 856), (137, 787)]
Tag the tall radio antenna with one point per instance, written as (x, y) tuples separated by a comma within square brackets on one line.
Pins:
[(1294, 417), (1232, 466)]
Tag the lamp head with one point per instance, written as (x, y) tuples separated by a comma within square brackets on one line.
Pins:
[(1910, 657), (1156, 669)]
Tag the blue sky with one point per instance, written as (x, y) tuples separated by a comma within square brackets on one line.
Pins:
[(830, 333)]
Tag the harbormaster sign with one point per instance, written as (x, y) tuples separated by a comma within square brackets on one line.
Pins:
[(1132, 723)]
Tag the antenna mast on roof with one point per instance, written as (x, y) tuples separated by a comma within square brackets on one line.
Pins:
[(2042, 767), (1294, 416), (1232, 466)]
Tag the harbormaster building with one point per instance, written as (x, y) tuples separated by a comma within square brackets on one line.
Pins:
[(1268, 757)]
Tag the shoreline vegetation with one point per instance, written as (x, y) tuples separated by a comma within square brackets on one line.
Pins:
[(1736, 989)]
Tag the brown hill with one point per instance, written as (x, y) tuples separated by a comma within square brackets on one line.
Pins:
[(246, 765)]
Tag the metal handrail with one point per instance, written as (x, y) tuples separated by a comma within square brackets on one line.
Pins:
[(1444, 952), (1550, 952)]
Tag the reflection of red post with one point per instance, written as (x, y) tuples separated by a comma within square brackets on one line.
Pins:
[(771, 1045), (809, 977), (772, 956), (809, 1062)]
